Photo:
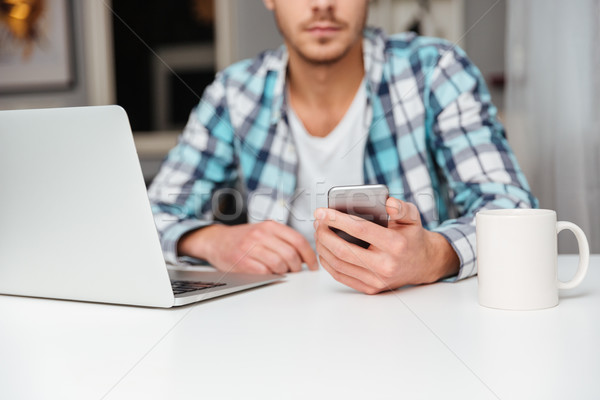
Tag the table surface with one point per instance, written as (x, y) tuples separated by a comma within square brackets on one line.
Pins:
[(307, 337)]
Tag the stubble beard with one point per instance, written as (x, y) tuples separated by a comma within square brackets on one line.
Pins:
[(325, 61), (315, 60)]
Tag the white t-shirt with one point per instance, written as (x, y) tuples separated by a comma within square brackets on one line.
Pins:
[(334, 160)]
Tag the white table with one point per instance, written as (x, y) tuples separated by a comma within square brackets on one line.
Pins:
[(306, 337)]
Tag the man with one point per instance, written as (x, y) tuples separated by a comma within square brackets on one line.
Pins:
[(340, 104)]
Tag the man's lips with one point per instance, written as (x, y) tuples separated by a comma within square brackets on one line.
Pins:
[(323, 29)]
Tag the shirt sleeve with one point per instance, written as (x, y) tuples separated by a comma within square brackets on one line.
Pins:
[(470, 148), (202, 162)]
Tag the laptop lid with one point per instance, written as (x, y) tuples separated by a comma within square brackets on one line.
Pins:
[(75, 220)]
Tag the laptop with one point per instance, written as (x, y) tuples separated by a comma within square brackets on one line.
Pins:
[(75, 220)]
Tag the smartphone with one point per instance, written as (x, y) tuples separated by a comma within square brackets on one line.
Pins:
[(365, 201)]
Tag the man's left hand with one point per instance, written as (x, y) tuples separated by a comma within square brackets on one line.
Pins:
[(402, 254)]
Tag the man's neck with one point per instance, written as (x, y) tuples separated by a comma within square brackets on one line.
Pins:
[(324, 91)]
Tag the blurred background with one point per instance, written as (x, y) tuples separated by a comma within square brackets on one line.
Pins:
[(539, 57)]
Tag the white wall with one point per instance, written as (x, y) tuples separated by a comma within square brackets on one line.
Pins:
[(484, 41), (244, 28)]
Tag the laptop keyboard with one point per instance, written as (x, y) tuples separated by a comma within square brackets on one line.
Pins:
[(180, 287)]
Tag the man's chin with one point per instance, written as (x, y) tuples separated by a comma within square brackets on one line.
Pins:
[(324, 56)]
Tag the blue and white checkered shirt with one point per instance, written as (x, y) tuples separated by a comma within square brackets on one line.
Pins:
[(433, 140)]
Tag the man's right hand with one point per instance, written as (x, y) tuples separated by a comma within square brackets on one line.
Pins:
[(261, 248)]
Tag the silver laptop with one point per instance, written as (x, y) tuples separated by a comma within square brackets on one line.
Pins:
[(75, 220)]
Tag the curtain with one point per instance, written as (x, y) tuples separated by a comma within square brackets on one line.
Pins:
[(552, 106)]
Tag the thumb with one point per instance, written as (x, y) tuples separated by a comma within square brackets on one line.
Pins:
[(401, 213)]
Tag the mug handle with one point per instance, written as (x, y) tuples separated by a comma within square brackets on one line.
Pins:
[(584, 254)]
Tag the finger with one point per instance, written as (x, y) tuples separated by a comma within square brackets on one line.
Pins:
[(297, 241), (360, 273), (348, 280), (358, 227), (249, 266), (402, 212), (270, 259), (287, 253), (342, 249)]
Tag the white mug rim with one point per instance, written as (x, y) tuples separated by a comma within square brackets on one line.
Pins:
[(517, 212)]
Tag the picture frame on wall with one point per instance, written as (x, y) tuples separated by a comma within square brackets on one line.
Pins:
[(36, 46)]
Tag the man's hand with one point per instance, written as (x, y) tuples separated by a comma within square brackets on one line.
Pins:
[(402, 254), (262, 248)]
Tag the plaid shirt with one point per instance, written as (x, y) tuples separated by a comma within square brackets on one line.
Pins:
[(433, 140)]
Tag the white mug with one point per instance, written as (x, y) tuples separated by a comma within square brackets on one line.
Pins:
[(517, 258)]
